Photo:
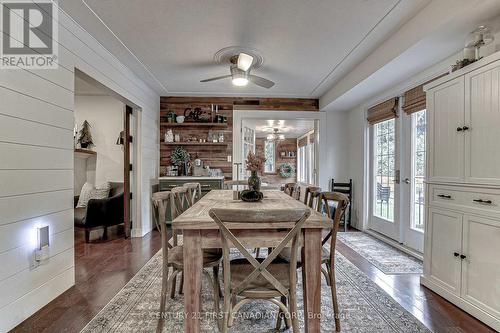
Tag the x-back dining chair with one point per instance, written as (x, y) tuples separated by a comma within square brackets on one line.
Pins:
[(258, 278), (228, 184), (309, 190), (327, 254), (194, 192), (173, 255)]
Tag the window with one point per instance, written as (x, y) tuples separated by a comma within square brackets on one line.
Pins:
[(418, 122), (384, 151), (305, 161), (270, 154)]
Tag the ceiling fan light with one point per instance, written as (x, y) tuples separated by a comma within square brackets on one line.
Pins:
[(240, 81), (244, 61)]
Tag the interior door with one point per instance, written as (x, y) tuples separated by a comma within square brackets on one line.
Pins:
[(384, 170)]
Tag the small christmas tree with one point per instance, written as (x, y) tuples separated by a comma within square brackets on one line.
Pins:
[(85, 137)]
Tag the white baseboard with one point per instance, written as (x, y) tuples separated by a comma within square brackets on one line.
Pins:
[(136, 232), (397, 245)]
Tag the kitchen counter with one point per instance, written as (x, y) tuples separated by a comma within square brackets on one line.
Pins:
[(191, 178)]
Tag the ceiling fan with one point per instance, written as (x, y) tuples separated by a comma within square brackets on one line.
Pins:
[(240, 67)]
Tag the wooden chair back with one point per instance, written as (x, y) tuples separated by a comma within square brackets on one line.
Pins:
[(342, 203), (160, 203), (309, 190), (194, 192), (224, 217), (179, 200), (314, 200), (289, 188)]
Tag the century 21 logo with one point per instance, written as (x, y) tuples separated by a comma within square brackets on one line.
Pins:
[(28, 28)]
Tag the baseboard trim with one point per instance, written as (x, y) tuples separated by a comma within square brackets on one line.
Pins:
[(473, 310), (136, 232), (397, 245)]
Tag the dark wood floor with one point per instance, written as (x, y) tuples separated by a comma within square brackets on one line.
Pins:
[(102, 269)]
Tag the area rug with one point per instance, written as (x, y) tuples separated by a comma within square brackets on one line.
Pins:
[(383, 256), (364, 307)]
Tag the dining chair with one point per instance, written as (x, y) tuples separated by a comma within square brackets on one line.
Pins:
[(257, 278), (308, 191), (228, 184), (327, 254), (173, 254), (194, 192), (289, 188)]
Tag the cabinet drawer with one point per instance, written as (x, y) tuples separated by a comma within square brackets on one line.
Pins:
[(465, 198)]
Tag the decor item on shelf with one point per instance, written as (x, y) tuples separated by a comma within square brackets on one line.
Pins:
[(169, 136), (286, 170), (461, 64), (221, 137), (179, 119), (255, 163), (171, 116), (251, 196), (172, 170), (177, 138), (181, 158), (193, 115), (479, 37), (85, 138)]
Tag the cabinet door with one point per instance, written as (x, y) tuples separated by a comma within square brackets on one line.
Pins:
[(482, 116), (445, 113), (444, 239), (481, 266)]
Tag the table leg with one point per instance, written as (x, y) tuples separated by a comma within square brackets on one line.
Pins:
[(193, 266), (311, 265)]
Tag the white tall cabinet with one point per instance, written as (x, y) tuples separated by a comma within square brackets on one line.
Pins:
[(462, 237)]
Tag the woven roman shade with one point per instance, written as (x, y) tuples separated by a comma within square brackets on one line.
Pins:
[(383, 111), (415, 98), (302, 142)]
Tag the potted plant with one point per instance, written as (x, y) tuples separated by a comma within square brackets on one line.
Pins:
[(85, 137), (181, 158), (255, 163)]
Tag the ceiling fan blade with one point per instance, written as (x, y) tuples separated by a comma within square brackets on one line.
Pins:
[(245, 61), (216, 78), (260, 81)]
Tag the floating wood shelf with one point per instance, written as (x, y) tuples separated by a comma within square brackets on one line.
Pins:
[(85, 152), (218, 144), (163, 123)]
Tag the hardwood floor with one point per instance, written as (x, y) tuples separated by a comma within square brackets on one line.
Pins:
[(103, 268)]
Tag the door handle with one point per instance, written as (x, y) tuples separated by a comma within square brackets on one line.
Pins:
[(462, 256), (465, 128), (456, 254), (460, 129)]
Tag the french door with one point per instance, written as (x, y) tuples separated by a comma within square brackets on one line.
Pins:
[(397, 174)]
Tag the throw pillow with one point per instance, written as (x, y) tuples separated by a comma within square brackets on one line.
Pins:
[(85, 195), (101, 191)]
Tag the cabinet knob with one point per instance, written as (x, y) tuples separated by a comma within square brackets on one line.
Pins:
[(462, 256), (456, 254), (465, 128), (459, 129)]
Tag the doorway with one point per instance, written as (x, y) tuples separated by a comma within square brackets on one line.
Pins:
[(245, 131), (397, 173), (103, 168)]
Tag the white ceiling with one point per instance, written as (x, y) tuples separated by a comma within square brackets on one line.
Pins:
[(307, 45), (290, 128)]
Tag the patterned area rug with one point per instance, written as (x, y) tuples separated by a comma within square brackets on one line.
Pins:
[(383, 256), (364, 307)]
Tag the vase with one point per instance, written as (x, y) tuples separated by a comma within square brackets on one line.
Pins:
[(185, 169), (254, 182)]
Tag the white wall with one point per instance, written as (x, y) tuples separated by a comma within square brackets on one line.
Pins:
[(105, 115), (36, 166)]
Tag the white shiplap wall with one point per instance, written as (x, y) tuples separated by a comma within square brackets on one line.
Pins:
[(36, 166)]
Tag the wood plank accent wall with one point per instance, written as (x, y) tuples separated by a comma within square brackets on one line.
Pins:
[(215, 155)]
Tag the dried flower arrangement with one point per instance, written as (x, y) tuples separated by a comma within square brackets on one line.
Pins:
[(255, 162)]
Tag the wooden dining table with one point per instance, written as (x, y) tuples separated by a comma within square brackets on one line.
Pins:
[(201, 232)]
